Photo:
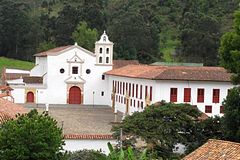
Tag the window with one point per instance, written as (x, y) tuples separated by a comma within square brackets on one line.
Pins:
[(142, 105), (74, 70), (136, 90), (103, 77), (120, 87), (187, 94), (151, 93), (116, 98), (102, 93), (88, 71), (126, 87), (146, 91), (173, 95), (62, 70), (100, 50), (104, 39), (208, 109), (221, 109), (100, 59), (107, 59), (200, 95), (131, 102), (132, 90), (216, 93), (107, 50), (141, 92), (134, 103), (129, 90), (138, 104), (123, 88)]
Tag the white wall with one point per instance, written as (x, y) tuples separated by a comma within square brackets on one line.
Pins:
[(144, 82), (79, 144), (161, 91), (57, 87), (19, 95)]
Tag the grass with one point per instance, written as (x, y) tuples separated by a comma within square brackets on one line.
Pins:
[(16, 64)]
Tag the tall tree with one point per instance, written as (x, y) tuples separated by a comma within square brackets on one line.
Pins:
[(135, 31), (18, 37), (230, 49), (31, 136), (231, 119), (66, 22), (84, 36), (162, 126), (230, 59), (199, 35)]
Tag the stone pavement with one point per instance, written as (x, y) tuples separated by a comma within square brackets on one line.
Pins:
[(81, 119)]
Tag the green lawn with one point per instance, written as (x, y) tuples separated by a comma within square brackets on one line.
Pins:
[(16, 64)]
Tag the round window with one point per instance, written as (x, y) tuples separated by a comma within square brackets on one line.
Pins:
[(88, 71), (62, 70)]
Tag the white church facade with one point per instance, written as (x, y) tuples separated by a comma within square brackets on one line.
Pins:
[(74, 75)]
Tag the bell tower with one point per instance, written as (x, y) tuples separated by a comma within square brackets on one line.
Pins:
[(104, 50)]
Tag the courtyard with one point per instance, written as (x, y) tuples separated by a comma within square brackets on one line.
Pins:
[(81, 119)]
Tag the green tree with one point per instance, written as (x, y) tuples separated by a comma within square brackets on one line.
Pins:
[(44, 46), (231, 119), (230, 49), (84, 36), (65, 23), (18, 35), (31, 137), (162, 126), (87, 155), (199, 35)]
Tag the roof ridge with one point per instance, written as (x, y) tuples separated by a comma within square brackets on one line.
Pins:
[(219, 140)]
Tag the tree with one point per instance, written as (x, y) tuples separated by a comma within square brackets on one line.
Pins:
[(84, 36), (231, 119), (230, 59), (230, 49), (199, 35), (162, 126), (44, 46), (87, 155), (65, 23), (31, 136), (17, 35)]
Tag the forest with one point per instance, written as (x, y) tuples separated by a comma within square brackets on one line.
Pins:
[(146, 30)]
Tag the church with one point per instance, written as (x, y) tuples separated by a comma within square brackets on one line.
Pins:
[(74, 75)]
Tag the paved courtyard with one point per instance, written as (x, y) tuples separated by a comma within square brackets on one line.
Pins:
[(76, 119)]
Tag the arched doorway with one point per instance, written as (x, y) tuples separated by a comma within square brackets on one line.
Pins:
[(74, 95), (30, 97)]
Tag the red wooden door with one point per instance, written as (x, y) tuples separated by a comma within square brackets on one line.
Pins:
[(30, 97), (75, 95)]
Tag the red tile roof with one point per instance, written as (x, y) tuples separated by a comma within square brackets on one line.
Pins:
[(12, 76), (81, 136), (5, 88), (216, 150), (33, 79), (11, 109), (173, 73), (52, 51), (122, 63)]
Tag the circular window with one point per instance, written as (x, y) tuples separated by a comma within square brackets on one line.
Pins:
[(88, 71), (62, 70)]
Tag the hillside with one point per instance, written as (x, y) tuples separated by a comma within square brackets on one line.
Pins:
[(13, 63), (148, 30)]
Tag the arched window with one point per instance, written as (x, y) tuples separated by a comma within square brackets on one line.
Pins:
[(100, 59), (100, 50), (107, 59), (104, 39), (107, 50)]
